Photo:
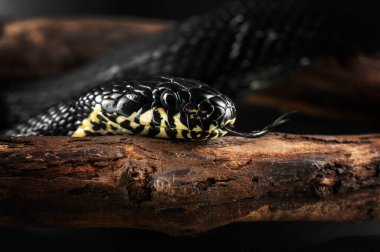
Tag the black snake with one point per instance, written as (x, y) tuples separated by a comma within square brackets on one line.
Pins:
[(245, 44)]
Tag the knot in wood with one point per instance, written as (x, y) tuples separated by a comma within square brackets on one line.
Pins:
[(322, 187)]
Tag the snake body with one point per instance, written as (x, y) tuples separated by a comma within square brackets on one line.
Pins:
[(243, 44), (158, 107)]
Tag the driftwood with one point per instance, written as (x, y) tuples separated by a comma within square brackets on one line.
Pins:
[(187, 187)]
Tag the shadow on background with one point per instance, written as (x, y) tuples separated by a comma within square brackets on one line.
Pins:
[(163, 9), (254, 117), (261, 236)]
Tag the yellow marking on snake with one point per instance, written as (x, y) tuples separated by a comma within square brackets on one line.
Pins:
[(231, 122), (111, 127), (145, 119), (121, 119), (178, 124), (163, 115), (162, 133)]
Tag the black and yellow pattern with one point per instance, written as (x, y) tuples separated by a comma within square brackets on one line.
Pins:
[(104, 124), (157, 107)]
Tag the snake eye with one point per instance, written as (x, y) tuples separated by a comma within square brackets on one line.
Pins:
[(205, 109), (169, 99)]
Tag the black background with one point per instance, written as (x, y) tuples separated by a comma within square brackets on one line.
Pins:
[(164, 9)]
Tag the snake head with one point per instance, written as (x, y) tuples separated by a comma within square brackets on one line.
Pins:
[(171, 107), (198, 109)]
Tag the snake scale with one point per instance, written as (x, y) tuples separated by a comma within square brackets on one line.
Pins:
[(244, 44)]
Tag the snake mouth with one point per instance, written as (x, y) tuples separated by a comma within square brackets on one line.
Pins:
[(175, 126), (190, 134), (102, 123), (181, 131)]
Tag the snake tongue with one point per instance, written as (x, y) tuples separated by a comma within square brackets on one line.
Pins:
[(280, 120)]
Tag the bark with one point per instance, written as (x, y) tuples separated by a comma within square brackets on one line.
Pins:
[(187, 187)]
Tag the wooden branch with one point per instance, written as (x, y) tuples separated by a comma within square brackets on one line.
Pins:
[(47, 47), (186, 187)]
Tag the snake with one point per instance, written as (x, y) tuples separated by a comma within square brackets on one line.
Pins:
[(164, 107), (242, 45)]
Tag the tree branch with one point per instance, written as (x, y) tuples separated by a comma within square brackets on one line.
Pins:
[(179, 187), (47, 47)]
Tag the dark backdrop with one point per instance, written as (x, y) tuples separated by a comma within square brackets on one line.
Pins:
[(165, 9), (362, 10)]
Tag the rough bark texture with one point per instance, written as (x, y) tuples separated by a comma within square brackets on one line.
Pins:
[(187, 187)]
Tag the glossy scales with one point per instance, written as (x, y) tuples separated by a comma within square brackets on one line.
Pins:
[(163, 107), (244, 44)]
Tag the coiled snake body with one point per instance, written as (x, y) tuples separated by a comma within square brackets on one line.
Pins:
[(246, 44)]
